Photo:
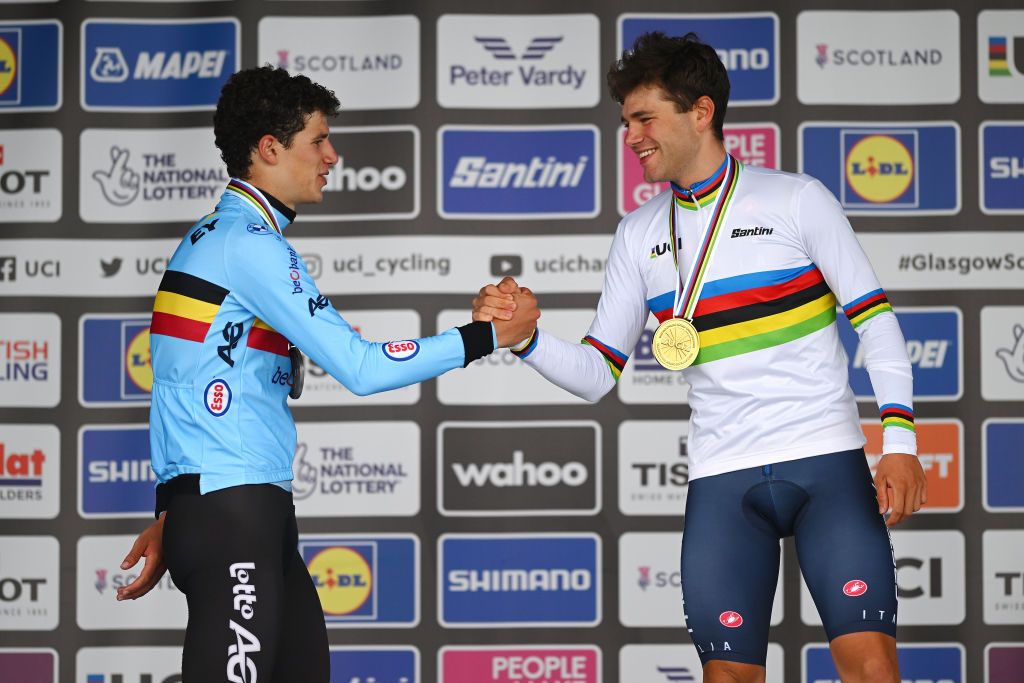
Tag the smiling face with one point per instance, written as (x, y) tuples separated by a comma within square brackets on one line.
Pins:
[(303, 166), (671, 145)]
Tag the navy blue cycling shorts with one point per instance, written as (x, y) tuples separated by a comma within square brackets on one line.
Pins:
[(731, 542)]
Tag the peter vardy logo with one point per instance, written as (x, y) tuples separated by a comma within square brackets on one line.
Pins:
[(492, 62), (159, 65), (511, 580), (933, 343), (115, 478), (884, 169), (748, 45), (374, 665), (30, 65), (114, 367), (1002, 167), (931, 663), (518, 172)]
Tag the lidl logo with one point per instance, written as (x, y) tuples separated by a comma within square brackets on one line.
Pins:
[(382, 664), (30, 65), (115, 478), (940, 452), (748, 45), (1002, 166), (364, 580), (115, 366), (933, 344), (157, 65), (1003, 469), (886, 170), (918, 662)]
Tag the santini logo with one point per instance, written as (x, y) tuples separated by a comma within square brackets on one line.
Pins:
[(751, 232), (509, 580), (520, 473), (478, 172)]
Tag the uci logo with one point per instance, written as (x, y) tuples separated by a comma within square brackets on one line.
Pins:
[(218, 397), (879, 168), (400, 350)]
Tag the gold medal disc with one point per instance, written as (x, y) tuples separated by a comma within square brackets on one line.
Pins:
[(676, 344)]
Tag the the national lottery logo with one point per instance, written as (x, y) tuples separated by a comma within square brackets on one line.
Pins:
[(886, 170), (160, 65), (30, 65)]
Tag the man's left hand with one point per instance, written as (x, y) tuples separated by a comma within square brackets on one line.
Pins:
[(149, 545), (900, 486)]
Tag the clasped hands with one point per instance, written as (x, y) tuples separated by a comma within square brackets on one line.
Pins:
[(512, 309)]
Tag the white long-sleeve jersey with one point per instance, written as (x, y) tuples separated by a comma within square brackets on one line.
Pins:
[(770, 383)]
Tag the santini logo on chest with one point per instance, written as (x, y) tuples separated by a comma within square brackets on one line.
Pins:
[(751, 232)]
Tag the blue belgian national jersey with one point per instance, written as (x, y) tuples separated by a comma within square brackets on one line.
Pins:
[(233, 296)]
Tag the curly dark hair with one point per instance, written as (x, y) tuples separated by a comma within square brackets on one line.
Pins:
[(684, 67), (264, 101)]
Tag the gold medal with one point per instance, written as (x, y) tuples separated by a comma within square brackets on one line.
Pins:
[(676, 344)]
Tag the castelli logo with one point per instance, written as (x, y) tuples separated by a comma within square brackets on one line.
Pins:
[(855, 588), (731, 619)]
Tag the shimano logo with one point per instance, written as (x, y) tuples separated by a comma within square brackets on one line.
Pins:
[(478, 172), (111, 471), (520, 473), (518, 580), (751, 232)]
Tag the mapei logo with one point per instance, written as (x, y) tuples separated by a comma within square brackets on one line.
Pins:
[(933, 337), (512, 664), (940, 452), (114, 360), (918, 663), (886, 170), (506, 62), (30, 65), (1001, 56), (1002, 166), (747, 43), (513, 580), (374, 664), (115, 478), (523, 172), (159, 65), (352, 584)]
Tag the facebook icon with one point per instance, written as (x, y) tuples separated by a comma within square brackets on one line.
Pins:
[(8, 268)]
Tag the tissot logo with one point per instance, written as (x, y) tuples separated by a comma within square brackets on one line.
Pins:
[(1003, 563), (545, 468), (29, 583), (30, 175), (489, 61), (653, 467)]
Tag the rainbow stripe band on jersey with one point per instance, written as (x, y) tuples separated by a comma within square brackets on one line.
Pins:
[(250, 194), (896, 415), (525, 349), (615, 359), (859, 311)]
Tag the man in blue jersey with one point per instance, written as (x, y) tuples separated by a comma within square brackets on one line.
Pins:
[(743, 268), (235, 301)]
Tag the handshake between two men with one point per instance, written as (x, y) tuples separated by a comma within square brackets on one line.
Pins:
[(512, 309)]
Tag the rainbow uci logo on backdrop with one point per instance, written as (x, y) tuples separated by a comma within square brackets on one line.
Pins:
[(886, 169)]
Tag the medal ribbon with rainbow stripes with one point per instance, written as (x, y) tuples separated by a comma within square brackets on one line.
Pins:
[(676, 342)]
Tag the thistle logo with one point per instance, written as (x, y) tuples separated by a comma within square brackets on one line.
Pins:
[(855, 588), (880, 168), (101, 580), (344, 580), (645, 577), (821, 59), (730, 619)]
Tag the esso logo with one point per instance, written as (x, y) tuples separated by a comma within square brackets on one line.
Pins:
[(730, 619), (855, 588), (218, 397), (401, 350)]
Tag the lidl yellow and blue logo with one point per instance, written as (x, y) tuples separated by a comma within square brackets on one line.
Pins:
[(886, 169), (364, 579), (30, 58), (115, 367)]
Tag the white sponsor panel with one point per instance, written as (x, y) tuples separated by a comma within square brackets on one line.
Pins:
[(654, 467), (929, 576), (1003, 566), (357, 469), (502, 379), (515, 61), (29, 583), (99, 575), (369, 62), (364, 265), (878, 58), (1000, 66), (1002, 353), (156, 175), (650, 581), (29, 358), (29, 471), (644, 380), (153, 664), (31, 175), (320, 389), (679, 663)]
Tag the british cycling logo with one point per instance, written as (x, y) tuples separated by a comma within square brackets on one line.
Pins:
[(218, 397), (400, 350), (1013, 357)]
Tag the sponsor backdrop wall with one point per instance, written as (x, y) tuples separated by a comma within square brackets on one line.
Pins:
[(911, 115)]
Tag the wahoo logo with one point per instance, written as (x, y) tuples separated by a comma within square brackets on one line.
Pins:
[(524, 172), (145, 65), (751, 232), (520, 473)]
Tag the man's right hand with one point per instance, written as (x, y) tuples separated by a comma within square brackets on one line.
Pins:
[(149, 545), (512, 309)]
